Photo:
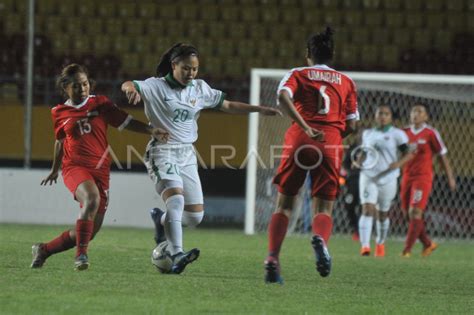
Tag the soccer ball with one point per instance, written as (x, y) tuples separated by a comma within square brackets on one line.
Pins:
[(161, 258)]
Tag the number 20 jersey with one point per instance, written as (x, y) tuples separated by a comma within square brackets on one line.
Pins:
[(323, 96), (83, 128)]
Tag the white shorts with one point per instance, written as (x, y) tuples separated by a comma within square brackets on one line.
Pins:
[(177, 164), (374, 193)]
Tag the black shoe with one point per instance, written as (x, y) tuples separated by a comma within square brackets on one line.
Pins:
[(323, 259), (272, 271), (156, 215), (39, 255), (181, 260)]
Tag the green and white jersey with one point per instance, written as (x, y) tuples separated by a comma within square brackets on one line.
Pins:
[(175, 107)]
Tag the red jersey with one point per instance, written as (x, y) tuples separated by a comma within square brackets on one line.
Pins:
[(322, 96), (83, 128), (425, 142)]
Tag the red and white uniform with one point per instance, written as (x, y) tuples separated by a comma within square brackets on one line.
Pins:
[(418, 172), (83, 130), (326, 99)]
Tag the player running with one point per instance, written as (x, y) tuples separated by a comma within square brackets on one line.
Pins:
[(417, 178), (173, 101), (322, 103), (380, 167), (80, 129)]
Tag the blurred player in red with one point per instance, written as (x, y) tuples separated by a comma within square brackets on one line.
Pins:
[(417, 177), (323, 106), (80, 128)]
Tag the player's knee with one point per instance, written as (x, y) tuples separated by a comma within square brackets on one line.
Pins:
[(415, 213), (192, 219), (91, 203), (382, 215)]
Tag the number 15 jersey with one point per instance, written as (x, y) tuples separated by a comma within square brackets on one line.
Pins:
[(323, 96)]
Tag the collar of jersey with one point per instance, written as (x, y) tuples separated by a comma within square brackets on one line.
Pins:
[(385, 128), (322, 66), (69, 103), (416, 131), (175, 84)]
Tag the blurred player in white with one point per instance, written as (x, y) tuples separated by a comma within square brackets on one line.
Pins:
[(322, 103), (380, 164), (173, 100)]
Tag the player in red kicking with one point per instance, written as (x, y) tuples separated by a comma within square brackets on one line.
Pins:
[(322, 103), (418, 177), (80, 127)]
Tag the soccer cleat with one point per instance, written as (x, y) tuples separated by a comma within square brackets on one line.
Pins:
[(365, 251), (39, 255), (181, 260), (272, 271), (156, 215), (81, 263), (428, 250), (380, 250), (406, 254), (323, 259)]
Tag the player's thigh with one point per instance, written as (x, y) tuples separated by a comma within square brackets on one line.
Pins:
[(164, 169), (192, 189), (73, 176), (387, 193), (368, 190), (325, 179), (419, 193), (289, 176)]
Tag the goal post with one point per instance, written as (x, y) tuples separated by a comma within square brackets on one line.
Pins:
[(451, 102)]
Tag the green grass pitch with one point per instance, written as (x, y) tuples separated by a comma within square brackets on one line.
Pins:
[(228, 277)]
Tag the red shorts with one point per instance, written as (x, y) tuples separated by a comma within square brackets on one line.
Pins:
[(73, 176), (415, 192), (302, 154)]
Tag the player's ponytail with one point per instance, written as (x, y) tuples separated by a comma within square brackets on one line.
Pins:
[(321, 46), (176, 53)]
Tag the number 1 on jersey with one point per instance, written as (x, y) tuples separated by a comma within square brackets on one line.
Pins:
[(326, 100)]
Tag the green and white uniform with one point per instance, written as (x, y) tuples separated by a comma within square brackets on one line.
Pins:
[(376, 185), (176, 108)]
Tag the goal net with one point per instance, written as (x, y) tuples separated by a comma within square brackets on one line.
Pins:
[(450, 100)]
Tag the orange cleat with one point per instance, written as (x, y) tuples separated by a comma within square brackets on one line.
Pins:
[(380, 250), (365, 251), (406, 254), (428, 250)]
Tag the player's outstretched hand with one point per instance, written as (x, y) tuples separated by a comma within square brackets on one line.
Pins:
[(133, 96), (315, 134), (51, 178), (160, 134), (268, 111)]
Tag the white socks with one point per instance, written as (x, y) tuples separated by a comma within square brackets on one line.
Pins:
[(173, 228), (365, 230), (382, 230), (192, 219)]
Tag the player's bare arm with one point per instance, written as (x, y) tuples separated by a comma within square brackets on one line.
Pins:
[(288, 107), (443, 160), (158, 133), (133, 96), (57, 158), (351, 128), (243, 108)]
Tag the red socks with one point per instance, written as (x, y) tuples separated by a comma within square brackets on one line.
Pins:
[(424, 239), (59, 244), (84, 230), (322, 226), (414, 229), (276, 233)]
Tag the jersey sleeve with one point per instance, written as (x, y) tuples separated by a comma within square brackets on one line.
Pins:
[(145, 87), (352, 111), (58, 126), (437, 143), (212, 98), (115, 116), (289, 83)]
